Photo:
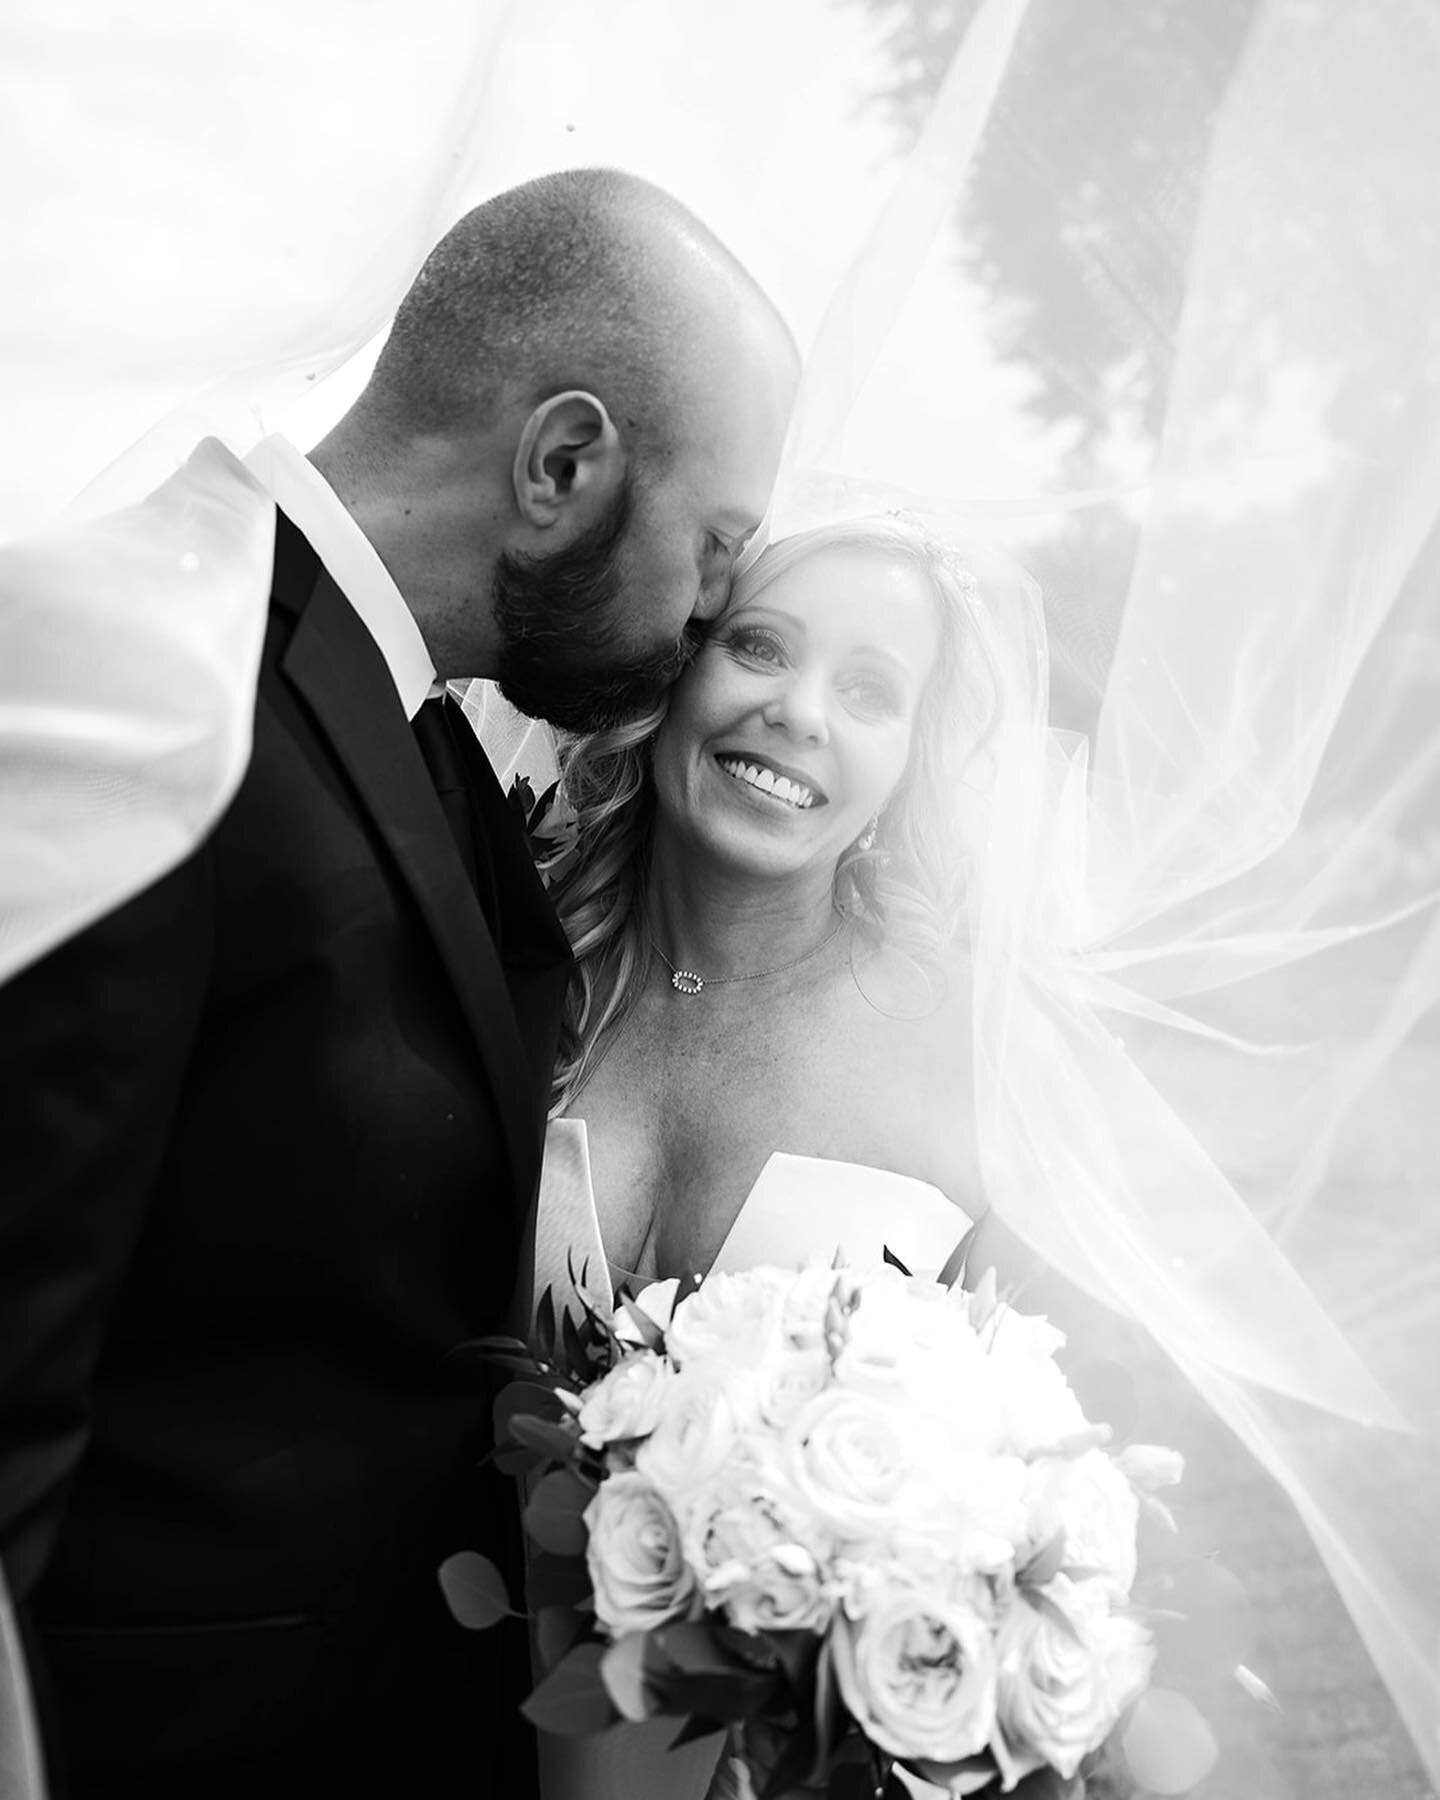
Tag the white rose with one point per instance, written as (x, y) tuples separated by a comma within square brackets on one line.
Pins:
[(1150, 1466), (787, 1382), (637, 1566), (970, 1508), (733, 1320), (845, 1455), (761, 1560), (699, 1431), (918, 1674), (1039, 1406), (1023, 1334), (1095, 1506), (1061, 1692), (626, 1402), (656, 1301)]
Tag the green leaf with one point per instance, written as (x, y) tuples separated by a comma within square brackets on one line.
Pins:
[(696, 1647), (954, 1269), (557, 1442), (795, 1766), (1045, 1564), (553, 1516), (1047, 1608), (521, 1462), (575, 1353), (1048, 1784), (474, 1590), (696, 1726), (796, 1652), (1167, 1742), (693, 1668), (851, 1781), (571, 1701), (514, 1345), (557, 1630), (545, 1326), (557, 1581), (524, 1399), (622, 1669), (971, 1775), (828, 1710)]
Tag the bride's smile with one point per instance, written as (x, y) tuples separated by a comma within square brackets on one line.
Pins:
[(794, 725)]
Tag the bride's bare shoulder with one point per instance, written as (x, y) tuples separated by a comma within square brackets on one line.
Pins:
[(910, 1030)]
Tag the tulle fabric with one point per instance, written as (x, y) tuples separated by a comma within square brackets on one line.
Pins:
[(134, 585), (1205, 931), (1204, 913)]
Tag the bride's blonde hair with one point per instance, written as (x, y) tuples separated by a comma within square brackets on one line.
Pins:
[(906, 889)]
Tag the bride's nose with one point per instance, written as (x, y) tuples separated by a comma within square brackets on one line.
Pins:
[(797, 707)]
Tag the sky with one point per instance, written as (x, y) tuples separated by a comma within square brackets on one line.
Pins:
[(193, 191)]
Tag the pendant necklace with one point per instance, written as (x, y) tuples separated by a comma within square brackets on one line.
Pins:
[(689, 982)]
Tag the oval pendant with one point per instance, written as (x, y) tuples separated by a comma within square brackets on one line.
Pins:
[(686, 981)]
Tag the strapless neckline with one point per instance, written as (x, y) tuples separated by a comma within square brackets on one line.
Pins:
[(799, 1207)]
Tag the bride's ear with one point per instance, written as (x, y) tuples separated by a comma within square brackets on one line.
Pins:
[(569, 463)]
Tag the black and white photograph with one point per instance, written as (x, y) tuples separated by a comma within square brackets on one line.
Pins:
[(720, 900)]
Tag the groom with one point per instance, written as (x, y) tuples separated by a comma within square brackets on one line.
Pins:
[(271, 1129)]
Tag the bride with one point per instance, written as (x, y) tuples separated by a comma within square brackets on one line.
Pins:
[(765, 1051), (765, 891)]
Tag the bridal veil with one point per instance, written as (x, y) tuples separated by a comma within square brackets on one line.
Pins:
[(1197, 252)]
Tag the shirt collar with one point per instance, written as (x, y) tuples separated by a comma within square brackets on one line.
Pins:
[(308, 500)]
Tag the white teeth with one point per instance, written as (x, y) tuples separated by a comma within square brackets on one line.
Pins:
[(794, 793)]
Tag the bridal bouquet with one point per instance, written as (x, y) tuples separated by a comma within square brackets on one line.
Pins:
[(861, 1520)]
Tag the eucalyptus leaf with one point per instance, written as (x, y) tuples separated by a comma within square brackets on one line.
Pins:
[(545, 1435), (553, 1515), (474, 1590), (558, 1628), (571, 1701)]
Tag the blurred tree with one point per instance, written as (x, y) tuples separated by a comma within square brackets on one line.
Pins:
[(1084, 194)]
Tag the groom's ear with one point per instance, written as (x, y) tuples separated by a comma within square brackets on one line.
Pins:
[(569, 464)]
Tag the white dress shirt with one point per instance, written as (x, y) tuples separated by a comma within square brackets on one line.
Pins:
[(304, 495)]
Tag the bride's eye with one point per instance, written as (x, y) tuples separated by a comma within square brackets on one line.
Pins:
[(757, 645), (873, 694)]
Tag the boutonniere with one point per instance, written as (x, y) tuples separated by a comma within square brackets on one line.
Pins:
[(547, 829)]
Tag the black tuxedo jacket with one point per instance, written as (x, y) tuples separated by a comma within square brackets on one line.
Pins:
[(270, 1136)]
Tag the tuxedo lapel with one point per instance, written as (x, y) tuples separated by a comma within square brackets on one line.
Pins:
[(334, 664)]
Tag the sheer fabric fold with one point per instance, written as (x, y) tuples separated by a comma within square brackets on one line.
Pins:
[(1205, 833)]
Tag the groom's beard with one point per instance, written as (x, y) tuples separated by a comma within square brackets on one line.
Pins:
[(558, 617)]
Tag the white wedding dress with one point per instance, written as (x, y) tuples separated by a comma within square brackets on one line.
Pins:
[(801, 1207)]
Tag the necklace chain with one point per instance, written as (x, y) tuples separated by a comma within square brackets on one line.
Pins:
[(690, 982)]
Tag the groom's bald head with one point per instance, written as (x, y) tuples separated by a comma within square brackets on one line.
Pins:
[(588, 279), (572, 429)]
